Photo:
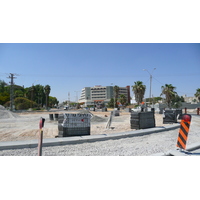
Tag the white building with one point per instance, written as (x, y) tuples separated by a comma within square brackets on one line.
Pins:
[(101, 94)]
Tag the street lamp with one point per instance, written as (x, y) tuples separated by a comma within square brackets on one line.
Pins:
[(150, 81), (113, 96), (76, 96)]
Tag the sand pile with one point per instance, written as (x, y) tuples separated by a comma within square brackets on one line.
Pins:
[(85, 112), (94, 118), (6, 114)]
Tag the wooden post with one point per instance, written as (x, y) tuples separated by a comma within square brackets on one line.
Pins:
[(40, 143), (41, 125), (198, 111)]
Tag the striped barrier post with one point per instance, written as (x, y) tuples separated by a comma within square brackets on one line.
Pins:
[(183, 132)]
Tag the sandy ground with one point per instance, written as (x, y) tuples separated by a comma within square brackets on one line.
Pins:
[(25, 126)]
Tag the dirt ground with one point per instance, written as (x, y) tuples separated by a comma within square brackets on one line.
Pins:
[(25, 126)]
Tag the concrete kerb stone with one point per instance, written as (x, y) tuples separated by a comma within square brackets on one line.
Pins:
[(82, 139)]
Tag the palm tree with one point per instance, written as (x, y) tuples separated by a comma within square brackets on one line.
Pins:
[(168, 91), (139, 91), (122, 99), (116, 94), (197, 94), (47, 90)]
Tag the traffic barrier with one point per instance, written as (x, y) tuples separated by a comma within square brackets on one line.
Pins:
[(183, 132)]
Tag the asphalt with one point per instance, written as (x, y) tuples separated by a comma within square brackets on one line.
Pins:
[(83, 139)]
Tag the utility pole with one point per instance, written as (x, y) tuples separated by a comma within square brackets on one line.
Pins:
[(150, 82), (11, 90), (68, 97)]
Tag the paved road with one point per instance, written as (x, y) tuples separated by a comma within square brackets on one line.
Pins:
[(134, 146)]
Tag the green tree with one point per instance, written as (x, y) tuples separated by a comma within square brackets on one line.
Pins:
[(168, 91), (116, 94), (40, 96), (4, 92), (176, 101), (111, 103), (139, 91), (122, 99), (197, 94), (22, 103), (53, 101), (3, 85), (47, 90), (19, 91), (4, 97)]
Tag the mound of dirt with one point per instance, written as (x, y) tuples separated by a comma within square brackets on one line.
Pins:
[(2, 108), (6, 114), (96, 118), (85, 112)]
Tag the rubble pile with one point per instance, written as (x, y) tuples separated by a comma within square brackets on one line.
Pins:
[(6, 114)]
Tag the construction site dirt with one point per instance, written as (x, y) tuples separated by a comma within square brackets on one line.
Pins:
[(25, 125)]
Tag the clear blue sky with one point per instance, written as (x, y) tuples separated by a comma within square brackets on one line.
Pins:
[(69, 67)]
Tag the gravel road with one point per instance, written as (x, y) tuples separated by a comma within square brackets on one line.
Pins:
[(134, 146)]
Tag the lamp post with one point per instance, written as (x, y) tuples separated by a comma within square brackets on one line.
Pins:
[(113, 96), (150, 81)]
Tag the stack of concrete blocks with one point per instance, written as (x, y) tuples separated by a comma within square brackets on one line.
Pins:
[(171, 116), (104, 109), (60, 126), (134, 120), (74, 125), (116, 112), (147, 119), (142, 120), (128, 109), (55, 117)]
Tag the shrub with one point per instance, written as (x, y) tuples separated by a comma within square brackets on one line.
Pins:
[(22, 103)]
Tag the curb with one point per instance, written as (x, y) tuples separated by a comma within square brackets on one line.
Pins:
[(83, 139)]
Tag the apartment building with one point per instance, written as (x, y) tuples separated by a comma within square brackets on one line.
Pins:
[(101, 94)]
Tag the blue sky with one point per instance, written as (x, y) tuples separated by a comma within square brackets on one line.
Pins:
[(68, 67)]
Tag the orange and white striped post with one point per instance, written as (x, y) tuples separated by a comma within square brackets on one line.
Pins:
[(183, 132)]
